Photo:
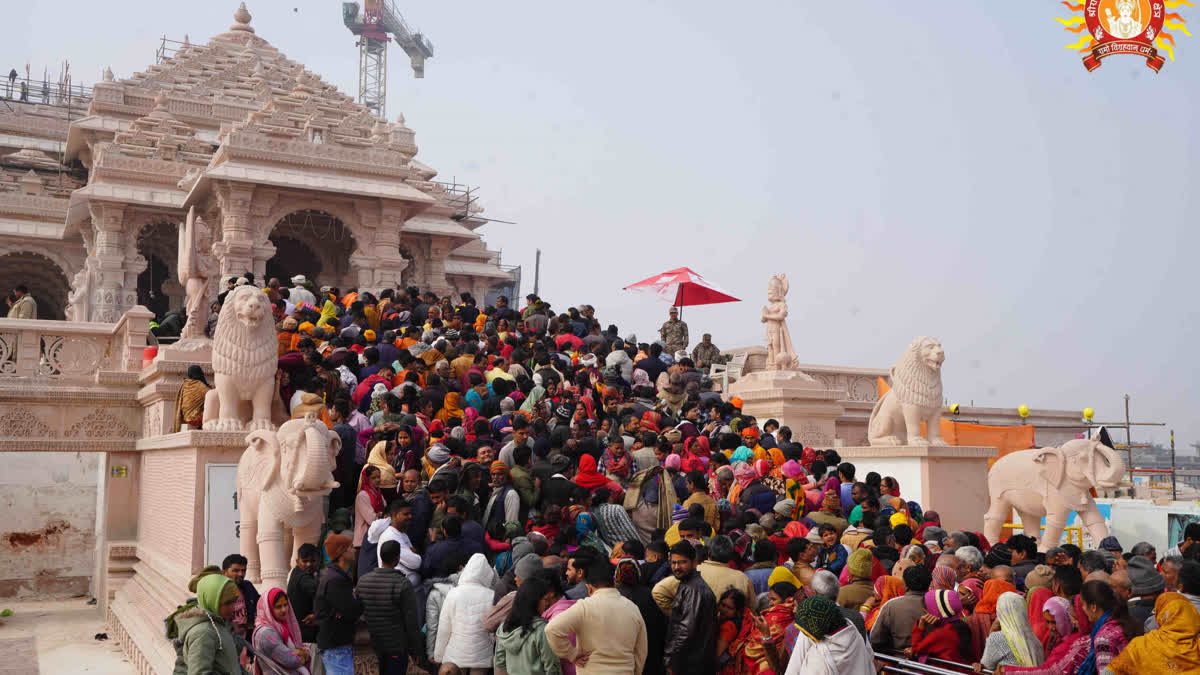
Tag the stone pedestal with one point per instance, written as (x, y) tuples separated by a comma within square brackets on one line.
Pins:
[(149, 572), (951, 480), (798, 401)]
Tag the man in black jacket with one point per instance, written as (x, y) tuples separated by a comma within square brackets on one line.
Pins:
[(302, 590), (692, 630), (390, 604), (337, 610)]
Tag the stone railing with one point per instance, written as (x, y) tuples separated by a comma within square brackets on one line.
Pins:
[(860, 384), (72, 351)]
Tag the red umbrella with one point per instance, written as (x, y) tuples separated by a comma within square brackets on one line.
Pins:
[(683, 288)]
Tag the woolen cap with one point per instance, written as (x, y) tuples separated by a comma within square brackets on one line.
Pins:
[(527, 566), (859, 563), (784, 507), (1000, 554), (1143, 577)]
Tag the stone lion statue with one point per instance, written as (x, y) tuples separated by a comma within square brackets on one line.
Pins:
[(244, 359), (915, 397)]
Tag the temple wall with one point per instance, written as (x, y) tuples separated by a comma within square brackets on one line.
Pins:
[(47, 535)]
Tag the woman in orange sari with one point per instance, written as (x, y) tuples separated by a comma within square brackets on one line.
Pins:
[(778, 616), (886, 588), (980, 623)]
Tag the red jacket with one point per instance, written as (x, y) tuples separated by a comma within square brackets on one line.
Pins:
[(940, 643)]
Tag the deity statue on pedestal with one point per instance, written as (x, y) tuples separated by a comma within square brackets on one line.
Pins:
[(780, 355)]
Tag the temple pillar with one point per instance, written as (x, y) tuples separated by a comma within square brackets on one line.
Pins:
[(439, 248), (262, 253), (108, 294), (235, 250), (389, 266)]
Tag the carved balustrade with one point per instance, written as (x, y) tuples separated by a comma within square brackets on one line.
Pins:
[(72, 351)]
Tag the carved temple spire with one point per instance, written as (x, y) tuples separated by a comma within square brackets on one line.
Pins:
[(242, 18)]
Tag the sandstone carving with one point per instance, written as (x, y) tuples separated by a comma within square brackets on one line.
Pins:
[(281, 479), (244, 359), (196, 269), (915, 397), (780, 355), (1052, 482)]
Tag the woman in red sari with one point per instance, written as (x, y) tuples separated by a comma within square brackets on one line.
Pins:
[(590, 479), (734, 628), (778, 616)]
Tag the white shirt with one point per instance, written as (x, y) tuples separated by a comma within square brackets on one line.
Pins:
[(410, 561), (300, 294)]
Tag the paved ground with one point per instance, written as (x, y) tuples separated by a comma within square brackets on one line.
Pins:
[(61, 633)]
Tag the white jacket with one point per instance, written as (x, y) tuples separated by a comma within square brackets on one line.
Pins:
[(461, 639), (433, 609)]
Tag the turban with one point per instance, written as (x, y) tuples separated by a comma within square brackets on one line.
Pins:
[(369, 335), (307, 327), (673, 462), (299, 280), (750, 432), (736, 402), (784, 507), (673, 435), (290, 323), (500, 466)]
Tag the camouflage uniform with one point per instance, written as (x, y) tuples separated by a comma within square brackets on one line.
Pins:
[(705, 355), (675, 335)]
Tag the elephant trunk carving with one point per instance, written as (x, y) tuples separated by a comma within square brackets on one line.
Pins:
[(282, 479), (314, 477)]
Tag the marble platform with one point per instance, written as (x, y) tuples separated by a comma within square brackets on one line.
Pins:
[(951, 480)]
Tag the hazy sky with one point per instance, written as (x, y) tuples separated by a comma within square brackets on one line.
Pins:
[(942, 168)]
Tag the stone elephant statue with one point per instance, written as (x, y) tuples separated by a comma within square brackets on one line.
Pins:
[(1052, 482), (282, 478)]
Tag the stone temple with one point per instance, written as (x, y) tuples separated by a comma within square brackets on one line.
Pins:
[(291, 175)]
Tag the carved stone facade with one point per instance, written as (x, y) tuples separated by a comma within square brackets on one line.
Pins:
[(91, 196)]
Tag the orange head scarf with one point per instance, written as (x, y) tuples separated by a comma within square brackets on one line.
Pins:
[(887, 588), (992, 590)]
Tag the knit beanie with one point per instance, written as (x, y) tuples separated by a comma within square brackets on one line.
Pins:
[(859, 564), (1000, 554), (527, 566), (1143, 577)]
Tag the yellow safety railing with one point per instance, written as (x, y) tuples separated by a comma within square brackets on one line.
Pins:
[(1072, 532)]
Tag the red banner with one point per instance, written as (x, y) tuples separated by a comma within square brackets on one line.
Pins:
[(1113, 47)]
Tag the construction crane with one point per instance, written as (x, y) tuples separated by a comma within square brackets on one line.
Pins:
[(372, 24)]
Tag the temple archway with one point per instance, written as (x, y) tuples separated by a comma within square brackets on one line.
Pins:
[(314, 243), (292, 257), (47, 282), (157, 287)]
